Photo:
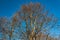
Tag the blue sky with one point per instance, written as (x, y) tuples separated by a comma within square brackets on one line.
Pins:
[(9, 7)]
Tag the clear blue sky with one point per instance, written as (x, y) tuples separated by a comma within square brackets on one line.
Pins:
[(9, 7)]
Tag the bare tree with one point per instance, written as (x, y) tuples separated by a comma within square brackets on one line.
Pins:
[(36, 22)]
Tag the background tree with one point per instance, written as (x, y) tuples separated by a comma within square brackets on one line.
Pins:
[(4, 28)]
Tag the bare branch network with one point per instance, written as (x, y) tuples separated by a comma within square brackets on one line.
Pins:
[(32, 22)]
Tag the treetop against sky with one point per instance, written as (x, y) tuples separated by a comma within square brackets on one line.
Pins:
[(9, 8)]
